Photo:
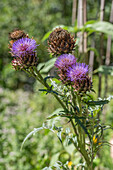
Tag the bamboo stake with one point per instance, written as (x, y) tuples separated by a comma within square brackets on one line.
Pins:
[(85, 33), (91, 57), (80, 24), (102, 7), (92, 54), (107, 61), (74, 10)]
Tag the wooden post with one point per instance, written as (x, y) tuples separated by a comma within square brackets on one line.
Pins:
[(74, 11), (80, 24), (108, 50), (102, 6), (85, 33), (91, 57)]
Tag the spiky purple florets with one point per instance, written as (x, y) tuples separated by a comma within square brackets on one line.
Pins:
[(65, 61), (23, 47), (78, 77), (77, 72)]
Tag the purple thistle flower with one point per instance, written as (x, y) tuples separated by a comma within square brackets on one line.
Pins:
[(78, 77), (23, 47), (77, 72), (64, 61)]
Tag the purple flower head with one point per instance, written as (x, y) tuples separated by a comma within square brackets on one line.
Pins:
[(64, 61), (77, 72), (23, 47)]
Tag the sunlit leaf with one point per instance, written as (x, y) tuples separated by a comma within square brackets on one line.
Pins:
[(101, 26), (46, 36), (47, 66), (108, 70)]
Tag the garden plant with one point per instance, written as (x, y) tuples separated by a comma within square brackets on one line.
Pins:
[(72, 86)]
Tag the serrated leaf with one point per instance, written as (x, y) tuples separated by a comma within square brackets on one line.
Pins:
[(47, 168), (55, 114), (43, 90), (67, 130), (52, 116), (30, 134), (59, 136), (82, 126), (100, 102)]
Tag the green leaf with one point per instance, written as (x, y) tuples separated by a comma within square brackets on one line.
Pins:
[(70, 149), (52, 116), (101, 26), (90, 22), (30, 134), (93, 49), (54, 158), (100, 102), (83, 127), (59, 136), (59, 132), (103, 69), (46, 36), (55, 114), (40, 66), (47, 66), (45, 126), (47, 168), (67, 130), (59, 165)]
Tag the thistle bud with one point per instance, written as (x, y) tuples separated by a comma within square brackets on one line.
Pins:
[(83, 85), (25, 62)]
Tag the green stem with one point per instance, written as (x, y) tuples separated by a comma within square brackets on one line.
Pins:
[(80, 114), (82, 136), (84, 154), (48, 87), (39, 77), (31, 73)]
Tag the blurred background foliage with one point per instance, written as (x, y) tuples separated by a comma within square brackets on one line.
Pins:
[(22, 106)]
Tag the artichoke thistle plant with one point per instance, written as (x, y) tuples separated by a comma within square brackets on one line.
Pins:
[(71, 87)]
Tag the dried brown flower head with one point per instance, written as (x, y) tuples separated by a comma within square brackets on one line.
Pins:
[(61, 42), (17, 34)]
